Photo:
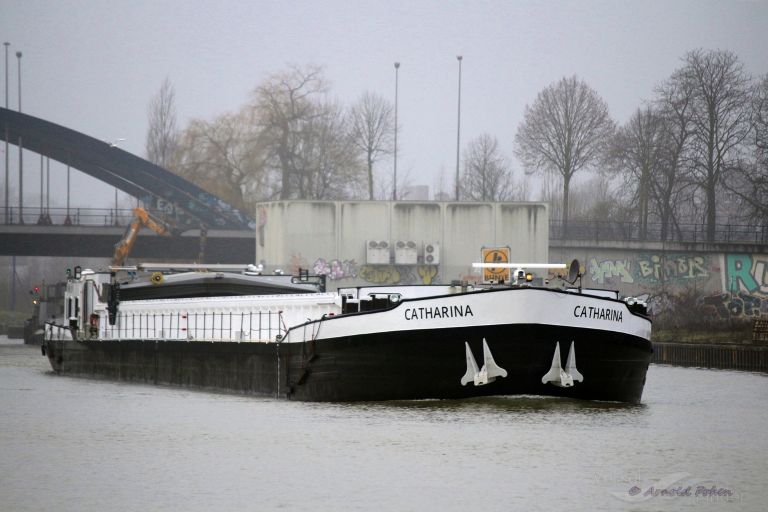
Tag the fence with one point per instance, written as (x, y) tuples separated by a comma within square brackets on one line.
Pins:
[(631, 231), (726, 357)]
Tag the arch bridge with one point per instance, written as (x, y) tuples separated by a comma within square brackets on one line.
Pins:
[(81, 232), (189, 205)]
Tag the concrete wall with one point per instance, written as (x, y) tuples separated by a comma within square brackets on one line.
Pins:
[(728, 285), (330, 237)]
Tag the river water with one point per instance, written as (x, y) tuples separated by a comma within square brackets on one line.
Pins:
[(84, 445)]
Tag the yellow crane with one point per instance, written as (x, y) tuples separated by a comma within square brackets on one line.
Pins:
[(140, 219)]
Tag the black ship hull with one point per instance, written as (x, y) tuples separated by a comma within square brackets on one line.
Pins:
[(394, 365)]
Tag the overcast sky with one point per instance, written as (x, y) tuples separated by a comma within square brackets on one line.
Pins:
[(94, 65)]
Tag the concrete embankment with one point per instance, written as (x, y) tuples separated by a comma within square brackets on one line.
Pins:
[(727, 357)]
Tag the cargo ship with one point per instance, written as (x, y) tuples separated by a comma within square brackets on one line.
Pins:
[(286, 337)]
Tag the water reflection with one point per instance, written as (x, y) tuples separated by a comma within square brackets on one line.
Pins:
[(521, 404), (544, 412)]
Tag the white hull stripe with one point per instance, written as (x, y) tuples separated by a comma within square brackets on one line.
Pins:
[(505, 307)]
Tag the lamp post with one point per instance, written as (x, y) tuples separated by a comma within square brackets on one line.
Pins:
[(67, 219), (18, 56), (6, 44), (48, 189), (458, 131), (41, 219), (394, 186), (21, 151)]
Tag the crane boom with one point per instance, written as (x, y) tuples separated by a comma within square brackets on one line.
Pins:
[(140, 219)]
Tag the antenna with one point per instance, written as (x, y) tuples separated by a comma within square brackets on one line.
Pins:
[(574, 273)]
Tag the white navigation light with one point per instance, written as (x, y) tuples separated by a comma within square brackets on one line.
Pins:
[(520, 265)]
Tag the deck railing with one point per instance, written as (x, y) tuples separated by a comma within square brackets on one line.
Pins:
[(253, 326), (196, 326)]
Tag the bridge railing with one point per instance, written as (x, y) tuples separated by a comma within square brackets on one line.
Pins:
[(577, 230), (72, 216), (631, 231)]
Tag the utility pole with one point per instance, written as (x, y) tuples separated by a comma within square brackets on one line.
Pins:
[(21, 151), (394, 186), (458, 131), (7, 210)]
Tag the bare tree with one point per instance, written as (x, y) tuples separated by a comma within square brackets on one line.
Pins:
[(597, 198), (564, 131), (673, 103), (371, 130), (751, 183), (285, 105), (760, 123), (720, 114), (328, 165), (225, 157), (162, 136), (636, 152), (486, 176)]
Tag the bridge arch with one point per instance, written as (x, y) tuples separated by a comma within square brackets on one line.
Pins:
[(114, 166)]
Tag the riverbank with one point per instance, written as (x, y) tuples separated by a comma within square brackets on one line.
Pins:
[(731, 356), (12, 323)]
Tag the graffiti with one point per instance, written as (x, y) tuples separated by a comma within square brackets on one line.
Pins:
[(378, 274), (399, 274), (745, 288), (746, 272), (657, 304), (608, 269), (649, 269), (734, 305), (657, 269), (335, 269), (428, 273)]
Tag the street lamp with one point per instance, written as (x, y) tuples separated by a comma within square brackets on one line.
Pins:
[(48, 189), (21, 151), (67, 219), (394, 186), (41, 219), (458, 130), (6, 44), (18, 56)]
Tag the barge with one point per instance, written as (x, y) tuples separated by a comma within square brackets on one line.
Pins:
[(359, 343)]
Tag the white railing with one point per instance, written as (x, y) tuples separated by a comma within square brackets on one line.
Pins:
[(254, 326)]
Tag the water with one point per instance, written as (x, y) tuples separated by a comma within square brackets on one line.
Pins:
[(84, 445)]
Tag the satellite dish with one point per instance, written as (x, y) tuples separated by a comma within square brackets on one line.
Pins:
[(573, 271)]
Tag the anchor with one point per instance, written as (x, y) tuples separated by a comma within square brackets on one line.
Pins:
[(487, 374), (559, 377)]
